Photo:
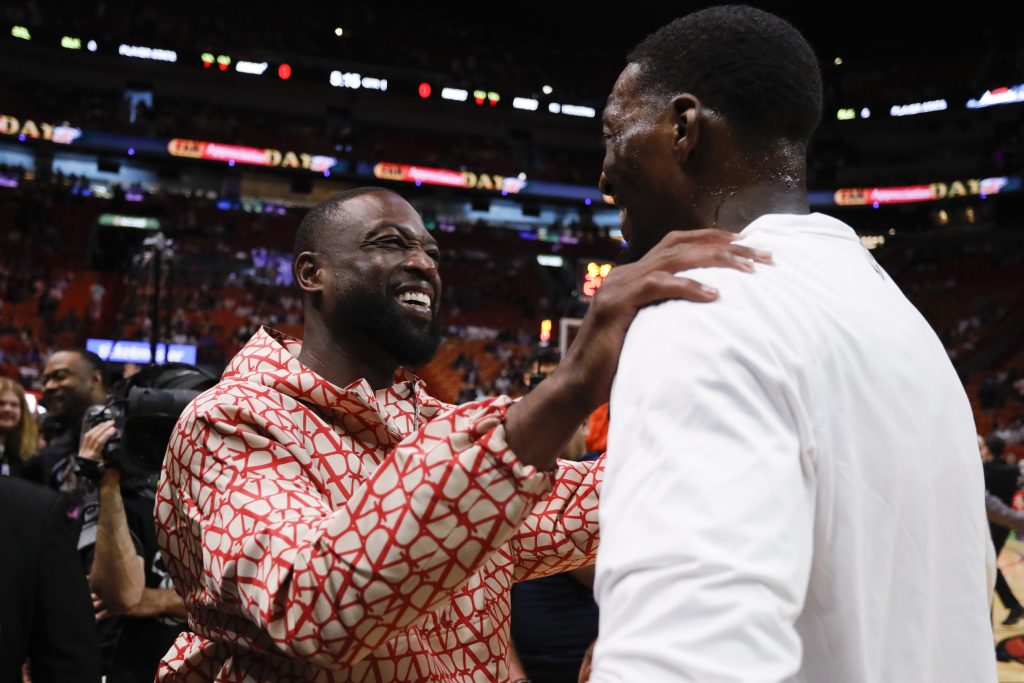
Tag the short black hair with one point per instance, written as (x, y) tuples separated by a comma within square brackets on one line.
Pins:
[(319, 218), (996, 446), (750, 66), (95, 362)]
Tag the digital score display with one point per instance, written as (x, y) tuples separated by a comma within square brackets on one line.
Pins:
[(590, 275)]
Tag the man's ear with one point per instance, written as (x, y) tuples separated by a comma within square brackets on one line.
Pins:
[(97, 379), (309, 272), (687, 121)]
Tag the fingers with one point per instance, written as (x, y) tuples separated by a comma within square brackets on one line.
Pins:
[(99, 608), (687, 256), (96, 438), (661, 286)]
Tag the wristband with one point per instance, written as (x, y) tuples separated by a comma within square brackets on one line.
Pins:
[(90, 469)]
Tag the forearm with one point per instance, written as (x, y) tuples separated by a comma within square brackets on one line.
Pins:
[(159, 602), (1001, 514), (540, 424), (117, 574)]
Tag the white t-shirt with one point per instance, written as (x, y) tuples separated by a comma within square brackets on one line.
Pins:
[(793, 489)]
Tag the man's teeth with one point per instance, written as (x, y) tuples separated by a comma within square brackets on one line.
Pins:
[(415, 298)]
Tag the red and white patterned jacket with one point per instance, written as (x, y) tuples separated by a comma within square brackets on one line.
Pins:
[(315, 534)]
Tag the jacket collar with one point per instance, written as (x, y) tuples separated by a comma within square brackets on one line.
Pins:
[(270, 359)]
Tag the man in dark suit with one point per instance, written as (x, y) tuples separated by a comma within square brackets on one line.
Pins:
[(1001, 482), (46, 615)]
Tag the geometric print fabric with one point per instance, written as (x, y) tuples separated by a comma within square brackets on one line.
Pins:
[(316, 534)]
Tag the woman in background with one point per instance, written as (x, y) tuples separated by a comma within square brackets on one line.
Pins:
[(19, 435)]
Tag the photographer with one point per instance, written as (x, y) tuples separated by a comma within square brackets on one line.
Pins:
[(127, 578), (122, 446)]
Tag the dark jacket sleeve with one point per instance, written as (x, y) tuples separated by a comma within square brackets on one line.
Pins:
[(63, 646)]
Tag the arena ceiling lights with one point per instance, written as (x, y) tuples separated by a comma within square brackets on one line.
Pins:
[(454, 94), (572, 110), (251, 68), (990, 98), (75, 43), (918, 108), (151, 53), (997, 96), (355, 81), (481, 97)]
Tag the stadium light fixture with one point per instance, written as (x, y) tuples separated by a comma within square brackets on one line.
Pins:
[(579, 110), (996, 96), (916, 108), (252, 68), (454, 94), (355, 81), (151, 53)]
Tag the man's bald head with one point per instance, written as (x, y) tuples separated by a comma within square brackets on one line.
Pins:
[(325, 215)]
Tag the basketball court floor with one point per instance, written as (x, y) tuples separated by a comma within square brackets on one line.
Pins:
[(1011, 561)]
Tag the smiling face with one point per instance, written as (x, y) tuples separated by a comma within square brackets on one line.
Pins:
[(70, 385), (10, 411), (641, 168), (381, 278)]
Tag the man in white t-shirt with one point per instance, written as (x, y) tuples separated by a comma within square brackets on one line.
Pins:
[(793, 489)]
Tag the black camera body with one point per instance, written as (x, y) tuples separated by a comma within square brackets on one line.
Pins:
[(104, 412), (145, 410)]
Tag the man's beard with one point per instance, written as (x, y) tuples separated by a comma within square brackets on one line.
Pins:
[(412, 342)]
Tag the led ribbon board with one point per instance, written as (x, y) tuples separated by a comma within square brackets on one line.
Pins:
[(253, 156), (404, 173), (120, 351), (908, 194)]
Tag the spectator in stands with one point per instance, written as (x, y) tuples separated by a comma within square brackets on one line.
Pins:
[(19, 435), (320, 511), (44, 600), (989, 394), (1014, 431), (780, 494), (1001, 482)]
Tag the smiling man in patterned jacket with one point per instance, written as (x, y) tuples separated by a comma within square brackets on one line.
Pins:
[(325, 519)]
